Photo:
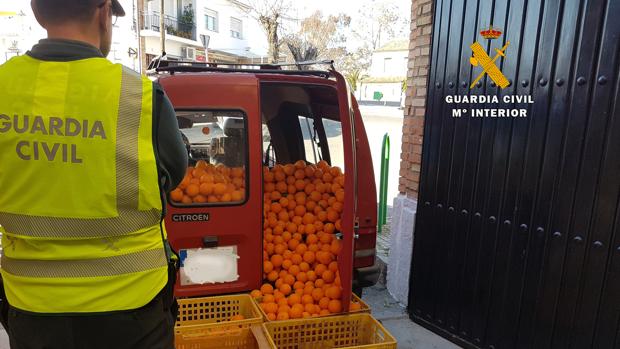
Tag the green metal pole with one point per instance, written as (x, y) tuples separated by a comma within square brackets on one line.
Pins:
[(383, 184)]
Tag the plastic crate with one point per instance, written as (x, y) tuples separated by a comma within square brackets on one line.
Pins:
[(240, 338), (341, 331), (354, 298), (210, 316)]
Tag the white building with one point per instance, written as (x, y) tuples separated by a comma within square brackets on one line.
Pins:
[(201, 30), (182, 43), (233, 35), (388, 70)]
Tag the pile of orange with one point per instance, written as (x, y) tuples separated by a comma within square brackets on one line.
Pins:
[(205, 182), (302, 208)]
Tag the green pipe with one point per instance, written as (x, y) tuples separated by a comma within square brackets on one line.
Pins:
[(383, 184)]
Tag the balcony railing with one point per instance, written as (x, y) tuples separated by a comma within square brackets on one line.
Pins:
[(172, 24)]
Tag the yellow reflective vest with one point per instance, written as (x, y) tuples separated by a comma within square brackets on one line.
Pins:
[(80, 204)]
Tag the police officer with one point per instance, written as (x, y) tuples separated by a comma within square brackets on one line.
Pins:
[(87, 150)]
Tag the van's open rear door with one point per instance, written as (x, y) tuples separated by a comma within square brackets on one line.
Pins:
[(349, 216)]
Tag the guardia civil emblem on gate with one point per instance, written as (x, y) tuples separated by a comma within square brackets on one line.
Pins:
[(482, 59)]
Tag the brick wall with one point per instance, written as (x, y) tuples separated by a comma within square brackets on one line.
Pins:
[(413, 123)]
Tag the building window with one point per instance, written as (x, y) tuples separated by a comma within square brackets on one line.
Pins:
[(386, 64), (211, 20), (236, 28)]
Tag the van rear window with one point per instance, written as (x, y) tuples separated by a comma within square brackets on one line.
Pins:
[(217, 144)]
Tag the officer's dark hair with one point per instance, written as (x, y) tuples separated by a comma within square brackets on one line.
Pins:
[(58, 11)]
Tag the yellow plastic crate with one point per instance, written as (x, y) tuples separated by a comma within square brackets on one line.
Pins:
[(354, 298), (342, 331), (240, 338), (210, 316)]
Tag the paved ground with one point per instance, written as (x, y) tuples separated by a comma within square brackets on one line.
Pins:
[(393, 316), (395, 319)]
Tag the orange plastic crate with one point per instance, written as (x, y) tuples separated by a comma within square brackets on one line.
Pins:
[(354, 298), (342, 331), (210, 317)]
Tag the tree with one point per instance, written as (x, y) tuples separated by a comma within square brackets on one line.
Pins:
[(319, 37), (380, 22), (269, 13)]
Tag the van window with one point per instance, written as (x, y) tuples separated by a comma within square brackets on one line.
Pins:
[(333, 133), (311, 140), (216, 142)]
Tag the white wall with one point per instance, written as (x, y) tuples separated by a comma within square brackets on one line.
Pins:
[(392, 92), (125, 37), (397, 65), (253, 38)]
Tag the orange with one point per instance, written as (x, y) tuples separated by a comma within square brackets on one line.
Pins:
[(301, 249), (300, 210), (329, 229), (285, 289), (298, 284), (272, 316), (317, 294), (292, 244), (200, 199), (324, 302), (333, 266), (353, 306), (334, 306), (335, 247), (324, 312), (300, 164), (333, 292), (328, 276), (177, 195), (282, 302), (309, 256), (289, 279), (296, 258), (269, 298), (319, 283), (301, 276), (256, 294), (271, 307), (266, 289), (282, 316), (287, 264), (294, 270), (237, 317), (304, 266), (192, 190), (311, 275), (296, 311), (309, 288), (219, 188), (277, 260), (294, 299), (320, 269), (237, 195), (272, 276), (307, 299), (275, 195)]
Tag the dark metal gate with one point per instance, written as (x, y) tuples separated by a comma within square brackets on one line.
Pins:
[(517, 238)]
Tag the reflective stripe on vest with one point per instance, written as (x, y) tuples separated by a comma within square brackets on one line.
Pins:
[(107, 266), (129, 219)]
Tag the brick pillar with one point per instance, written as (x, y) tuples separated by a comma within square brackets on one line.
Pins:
[(415, 102), (405, 204)]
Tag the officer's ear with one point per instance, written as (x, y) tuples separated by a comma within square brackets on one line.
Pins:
[(104, 15)]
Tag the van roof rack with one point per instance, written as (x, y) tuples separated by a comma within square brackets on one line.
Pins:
[(164, 65)]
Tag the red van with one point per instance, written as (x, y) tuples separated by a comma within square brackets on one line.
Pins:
[(248, 117)]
